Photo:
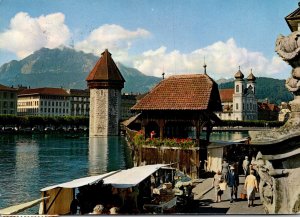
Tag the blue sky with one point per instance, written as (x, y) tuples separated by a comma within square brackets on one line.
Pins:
[(154, 35)]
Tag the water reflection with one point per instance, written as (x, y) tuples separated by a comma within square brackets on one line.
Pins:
[(98, 149), (27, 165), (227, 136), (106, 154)]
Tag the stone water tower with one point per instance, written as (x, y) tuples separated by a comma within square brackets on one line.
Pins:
[(105, 82)]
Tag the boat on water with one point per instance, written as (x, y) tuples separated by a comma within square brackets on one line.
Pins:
[(144, 189)]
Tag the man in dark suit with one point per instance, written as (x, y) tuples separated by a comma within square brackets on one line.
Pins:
[(233, 183)]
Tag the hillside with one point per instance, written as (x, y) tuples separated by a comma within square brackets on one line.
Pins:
[(267, 88), (65, 67)]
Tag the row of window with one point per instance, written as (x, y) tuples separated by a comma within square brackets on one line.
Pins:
[(44, 103), (43, 110), (6, 95), (6, 104), (54, 97), (4, 111), (249, 106), (84, 99), (81, 105)]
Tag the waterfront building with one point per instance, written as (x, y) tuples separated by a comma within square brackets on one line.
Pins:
[(105, 82), (239, 103), (8, 100), (43, 102), (267, 111), (127, 102), (80, 102)]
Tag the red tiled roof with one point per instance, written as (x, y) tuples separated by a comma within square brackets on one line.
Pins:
[(79, 92), (182, 92), (44, 91), (105, 70), (226, 95), (267, 106), (2, 87)]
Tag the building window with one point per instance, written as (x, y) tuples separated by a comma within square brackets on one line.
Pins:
[(12, 95), (237, 106), (11, 104), (237, 88)]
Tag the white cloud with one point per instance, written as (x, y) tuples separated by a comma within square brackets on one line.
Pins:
[(222, 59), (26, 34), (113, 37)]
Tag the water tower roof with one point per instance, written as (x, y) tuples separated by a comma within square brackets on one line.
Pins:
[(105, 72)]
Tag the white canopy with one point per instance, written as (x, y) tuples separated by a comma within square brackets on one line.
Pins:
[(80, 182), (131, 177)]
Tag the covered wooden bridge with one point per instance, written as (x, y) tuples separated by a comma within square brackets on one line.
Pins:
[(181, 106)]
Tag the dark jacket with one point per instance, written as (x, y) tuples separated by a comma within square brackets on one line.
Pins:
[(232, 179)]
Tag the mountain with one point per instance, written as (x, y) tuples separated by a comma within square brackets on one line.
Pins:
[(267, 88), (68, 68), (224, 80)]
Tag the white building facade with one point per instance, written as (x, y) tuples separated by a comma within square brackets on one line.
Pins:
[(239, 103), (44, 102), (8, 100)]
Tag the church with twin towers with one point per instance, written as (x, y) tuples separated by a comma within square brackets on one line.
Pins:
[(239, 103)]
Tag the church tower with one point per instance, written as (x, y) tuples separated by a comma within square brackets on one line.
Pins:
[(105, 82), (252, 111), (238, 96), (251, 81)]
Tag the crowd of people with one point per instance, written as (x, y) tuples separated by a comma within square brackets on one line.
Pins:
[(228, 178)]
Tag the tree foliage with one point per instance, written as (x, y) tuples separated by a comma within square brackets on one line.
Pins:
[(32, 121)]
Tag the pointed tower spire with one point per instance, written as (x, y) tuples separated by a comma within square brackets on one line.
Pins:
[(105, 73)]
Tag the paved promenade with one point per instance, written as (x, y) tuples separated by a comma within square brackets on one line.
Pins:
[(205, 196)]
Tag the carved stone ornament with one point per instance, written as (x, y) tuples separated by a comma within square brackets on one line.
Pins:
[(288, 48)]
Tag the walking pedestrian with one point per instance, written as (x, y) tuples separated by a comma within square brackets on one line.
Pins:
[(251, 187), (246, 166), (216, 184), (224, 170), (233, 183)]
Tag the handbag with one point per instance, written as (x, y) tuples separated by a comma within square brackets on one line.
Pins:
[(223, 186)]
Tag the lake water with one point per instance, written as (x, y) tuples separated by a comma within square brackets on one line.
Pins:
[(30, 163)]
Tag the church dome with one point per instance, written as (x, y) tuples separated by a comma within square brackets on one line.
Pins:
[(251, 77), (239, 74)]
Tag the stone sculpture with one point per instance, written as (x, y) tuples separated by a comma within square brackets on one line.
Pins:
[(288, 48)]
